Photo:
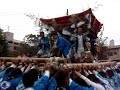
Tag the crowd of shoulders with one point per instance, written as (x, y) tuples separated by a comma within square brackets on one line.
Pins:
[(29, 76)]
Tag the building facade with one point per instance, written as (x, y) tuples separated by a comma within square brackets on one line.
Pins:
[(12, 44), (114, 52)]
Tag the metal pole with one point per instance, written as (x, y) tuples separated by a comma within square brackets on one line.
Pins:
[(67, 13)]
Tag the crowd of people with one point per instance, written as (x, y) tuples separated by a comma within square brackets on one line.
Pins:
[(76, 47), (29, 75)]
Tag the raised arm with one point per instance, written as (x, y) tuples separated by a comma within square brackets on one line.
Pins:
[(89, 82)]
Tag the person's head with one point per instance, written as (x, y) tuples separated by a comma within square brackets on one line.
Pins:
[(97, 48), (42, 34), (93, 78), (103, 74), (118, 67), (28, 80), (54, 35), (53, 71), (35, 74), (9, 70), (79, 31), (16, 73), (62, 78), (88, 57), (110, 73), (117, 70), (88, 54), (78, 80), (5, 63), (88, 43), (16, 63)]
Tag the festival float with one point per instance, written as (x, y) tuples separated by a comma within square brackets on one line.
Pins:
[(85, 19)]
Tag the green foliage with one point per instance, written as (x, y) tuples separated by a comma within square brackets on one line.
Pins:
[(31, 39), (13, 53), (27, 49), (3, 45), (103, 53), (102, 40)]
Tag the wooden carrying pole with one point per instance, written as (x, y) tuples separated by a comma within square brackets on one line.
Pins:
[(91, 65), (39, 60), (60, 60)]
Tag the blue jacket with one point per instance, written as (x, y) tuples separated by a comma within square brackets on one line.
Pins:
[(46, 44), (111, 82), (63, 45), (116, 80), (13, 82), (2, 74), (73, 86), (42, 83), (104, 84)]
